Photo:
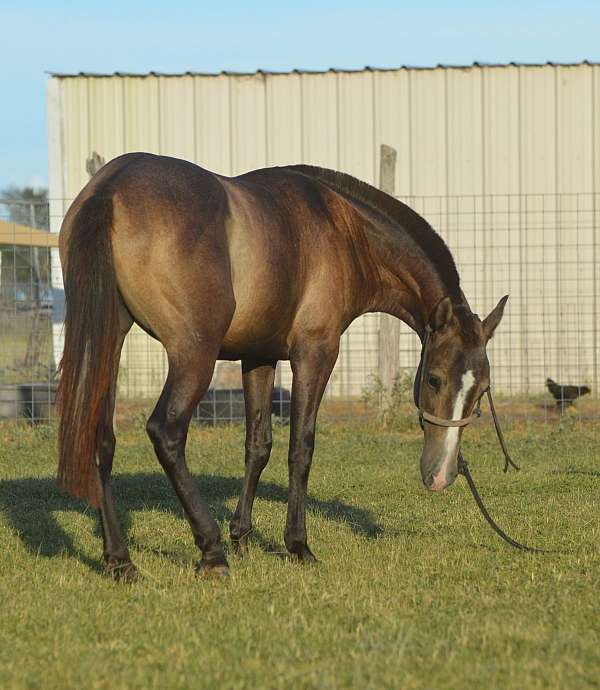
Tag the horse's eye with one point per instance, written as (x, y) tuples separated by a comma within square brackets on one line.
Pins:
[(435, 382)]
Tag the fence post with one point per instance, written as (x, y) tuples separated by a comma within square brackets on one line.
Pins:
[(389, 326)]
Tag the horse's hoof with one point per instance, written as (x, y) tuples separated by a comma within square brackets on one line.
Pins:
[(206, 571), (240, 546), (240, 543), (303, 554), (122, 571)]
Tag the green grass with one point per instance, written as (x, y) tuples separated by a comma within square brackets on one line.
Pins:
[(15, 332), (412, 590)]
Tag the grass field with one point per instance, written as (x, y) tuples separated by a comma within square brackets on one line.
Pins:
[(412, 590), (15, 333)]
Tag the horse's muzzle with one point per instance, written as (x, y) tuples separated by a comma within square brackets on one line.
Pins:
[(438, 475)]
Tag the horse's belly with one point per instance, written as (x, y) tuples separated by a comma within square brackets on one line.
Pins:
[(259, 328)]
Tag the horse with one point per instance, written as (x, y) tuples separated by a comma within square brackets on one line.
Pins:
[(271, 265)]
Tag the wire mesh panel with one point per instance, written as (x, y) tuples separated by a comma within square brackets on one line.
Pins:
[(541, 249), (27, 367)]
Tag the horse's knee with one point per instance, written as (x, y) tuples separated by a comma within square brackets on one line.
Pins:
[(300, 457), (259, 451), (263, 451)]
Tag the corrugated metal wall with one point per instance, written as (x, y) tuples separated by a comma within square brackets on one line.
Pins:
[(504, 161), (475, 130)]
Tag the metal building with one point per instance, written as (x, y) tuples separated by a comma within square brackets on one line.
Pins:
[(503, 160)]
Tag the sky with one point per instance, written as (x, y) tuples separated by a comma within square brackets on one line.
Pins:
[(181, 35)]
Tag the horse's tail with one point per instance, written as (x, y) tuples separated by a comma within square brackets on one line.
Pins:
[(91, 331)]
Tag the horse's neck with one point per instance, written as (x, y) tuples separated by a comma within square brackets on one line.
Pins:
[(410, 287)]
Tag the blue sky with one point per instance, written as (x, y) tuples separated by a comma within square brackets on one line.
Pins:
[(180, 35)]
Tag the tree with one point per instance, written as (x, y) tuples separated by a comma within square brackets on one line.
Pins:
[(26, 206)]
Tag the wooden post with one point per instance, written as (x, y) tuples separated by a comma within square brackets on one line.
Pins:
[(389, 326)]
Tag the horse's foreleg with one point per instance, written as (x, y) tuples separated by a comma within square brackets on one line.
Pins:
[(190, 372), (258, 390), (311, 365)]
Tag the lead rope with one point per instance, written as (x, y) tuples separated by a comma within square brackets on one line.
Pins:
[(463, 469), (507, 459)]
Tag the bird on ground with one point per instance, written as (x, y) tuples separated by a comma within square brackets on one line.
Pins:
[(565, 396)]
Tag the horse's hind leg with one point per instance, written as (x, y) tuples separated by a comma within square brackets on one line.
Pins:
[(191, 366), (116, 553), (258, 390)]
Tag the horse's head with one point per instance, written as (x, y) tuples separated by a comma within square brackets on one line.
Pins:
[(453, 374)]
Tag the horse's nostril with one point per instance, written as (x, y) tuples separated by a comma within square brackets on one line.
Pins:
[(429, 481)]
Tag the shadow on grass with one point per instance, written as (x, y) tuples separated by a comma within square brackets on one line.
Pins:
[(30, 506), (574, 470)]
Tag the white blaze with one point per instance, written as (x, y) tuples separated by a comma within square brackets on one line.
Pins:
[(466, 384)]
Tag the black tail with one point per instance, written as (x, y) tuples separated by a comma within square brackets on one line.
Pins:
[(91, 332)]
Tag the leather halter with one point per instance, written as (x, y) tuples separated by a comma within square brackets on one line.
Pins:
[(440, 421), (427, 416)]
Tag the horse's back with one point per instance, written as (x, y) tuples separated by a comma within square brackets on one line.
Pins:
[(188, 245)]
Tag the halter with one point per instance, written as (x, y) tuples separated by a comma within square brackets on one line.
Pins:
[(463, 468), (425, 416), (431, 418)]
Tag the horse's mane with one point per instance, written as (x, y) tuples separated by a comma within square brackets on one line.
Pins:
[(417, 228)]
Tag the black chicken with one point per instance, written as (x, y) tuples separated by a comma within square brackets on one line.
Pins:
[(565, 396)]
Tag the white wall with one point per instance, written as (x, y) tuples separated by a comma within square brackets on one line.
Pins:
[(504, 161)]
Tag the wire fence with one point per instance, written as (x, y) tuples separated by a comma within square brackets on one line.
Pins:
[(540, 249)]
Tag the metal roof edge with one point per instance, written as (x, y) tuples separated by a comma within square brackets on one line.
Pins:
[(334, 70)]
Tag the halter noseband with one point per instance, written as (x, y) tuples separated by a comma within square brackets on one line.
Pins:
[(427, 416)]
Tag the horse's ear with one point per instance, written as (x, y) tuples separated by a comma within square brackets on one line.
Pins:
[(442, 314), (491, 321)]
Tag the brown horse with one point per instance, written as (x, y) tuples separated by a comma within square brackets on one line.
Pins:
[(274, 264)]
